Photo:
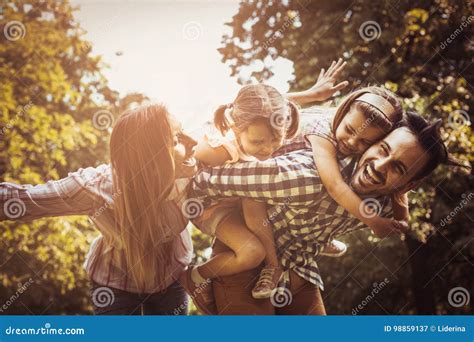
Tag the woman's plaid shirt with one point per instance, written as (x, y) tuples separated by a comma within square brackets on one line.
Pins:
[(303, 215)]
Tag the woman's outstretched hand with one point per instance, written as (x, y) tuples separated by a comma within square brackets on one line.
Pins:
[(325, 87)]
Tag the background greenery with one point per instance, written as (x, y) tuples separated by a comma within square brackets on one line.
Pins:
[(51, 86)]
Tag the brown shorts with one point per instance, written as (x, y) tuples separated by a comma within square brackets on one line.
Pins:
[(233, 295)]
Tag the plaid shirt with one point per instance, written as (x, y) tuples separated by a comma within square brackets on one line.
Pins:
[(89, 191), (302, 214)]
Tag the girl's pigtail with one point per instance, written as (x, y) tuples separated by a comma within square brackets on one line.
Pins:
[(220, 120), (294, 121)]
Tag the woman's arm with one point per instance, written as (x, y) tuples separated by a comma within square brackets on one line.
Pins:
[(73, 195), (324, 87)]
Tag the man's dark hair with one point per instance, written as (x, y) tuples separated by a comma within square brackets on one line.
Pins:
[(429, 137)]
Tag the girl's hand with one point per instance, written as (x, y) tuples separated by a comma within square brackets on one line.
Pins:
[(324, 87), (384, 226)]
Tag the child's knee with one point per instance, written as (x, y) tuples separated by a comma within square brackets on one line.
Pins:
[(252, 253)]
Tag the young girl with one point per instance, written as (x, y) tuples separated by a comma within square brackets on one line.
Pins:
[(251, 128)]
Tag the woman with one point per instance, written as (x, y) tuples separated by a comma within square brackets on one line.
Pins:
[(135, 203)]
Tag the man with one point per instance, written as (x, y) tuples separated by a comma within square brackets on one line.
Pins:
[(303, 215)]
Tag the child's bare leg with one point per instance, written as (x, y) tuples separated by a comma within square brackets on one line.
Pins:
[(265, 235), (255, 214), (247, 251)]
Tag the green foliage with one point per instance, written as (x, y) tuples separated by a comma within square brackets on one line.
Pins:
[(409, 52)]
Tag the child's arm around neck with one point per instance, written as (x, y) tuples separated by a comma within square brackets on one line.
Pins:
[(324, 154)]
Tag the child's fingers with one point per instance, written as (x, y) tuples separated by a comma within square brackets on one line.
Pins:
[(340, 86), (338, 64), (335, 66), (321, 74), (338, 70), (401, 226), (328, 73)]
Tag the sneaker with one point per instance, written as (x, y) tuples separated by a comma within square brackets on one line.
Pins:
[(267, 282), (334, 249), (201, 294)]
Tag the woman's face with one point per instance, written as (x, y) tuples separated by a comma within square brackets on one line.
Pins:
[(184, 145), (259, 141)]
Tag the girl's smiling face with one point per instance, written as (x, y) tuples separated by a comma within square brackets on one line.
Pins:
[(356, 132), (259, 140)]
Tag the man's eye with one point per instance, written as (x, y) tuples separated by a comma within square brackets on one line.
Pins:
[(400, 170), (177, 139)]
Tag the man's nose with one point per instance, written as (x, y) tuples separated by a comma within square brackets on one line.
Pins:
[(190, 142), (381, 164)]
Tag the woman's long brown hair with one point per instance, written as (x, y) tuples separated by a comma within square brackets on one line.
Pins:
[(141, 151)]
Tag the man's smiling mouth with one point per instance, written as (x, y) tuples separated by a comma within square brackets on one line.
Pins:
[(191, 161), (371, 176)]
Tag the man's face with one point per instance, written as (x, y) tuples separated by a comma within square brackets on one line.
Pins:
[(389, 165), (184, 145)]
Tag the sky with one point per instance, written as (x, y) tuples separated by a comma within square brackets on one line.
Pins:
[(167, 50)]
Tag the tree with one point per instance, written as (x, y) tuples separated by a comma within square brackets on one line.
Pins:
[(56, 111), (421, 50)]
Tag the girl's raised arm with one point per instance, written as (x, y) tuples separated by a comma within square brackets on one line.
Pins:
[(324, 88)]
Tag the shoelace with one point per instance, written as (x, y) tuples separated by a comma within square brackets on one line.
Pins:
[(266, 277)]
